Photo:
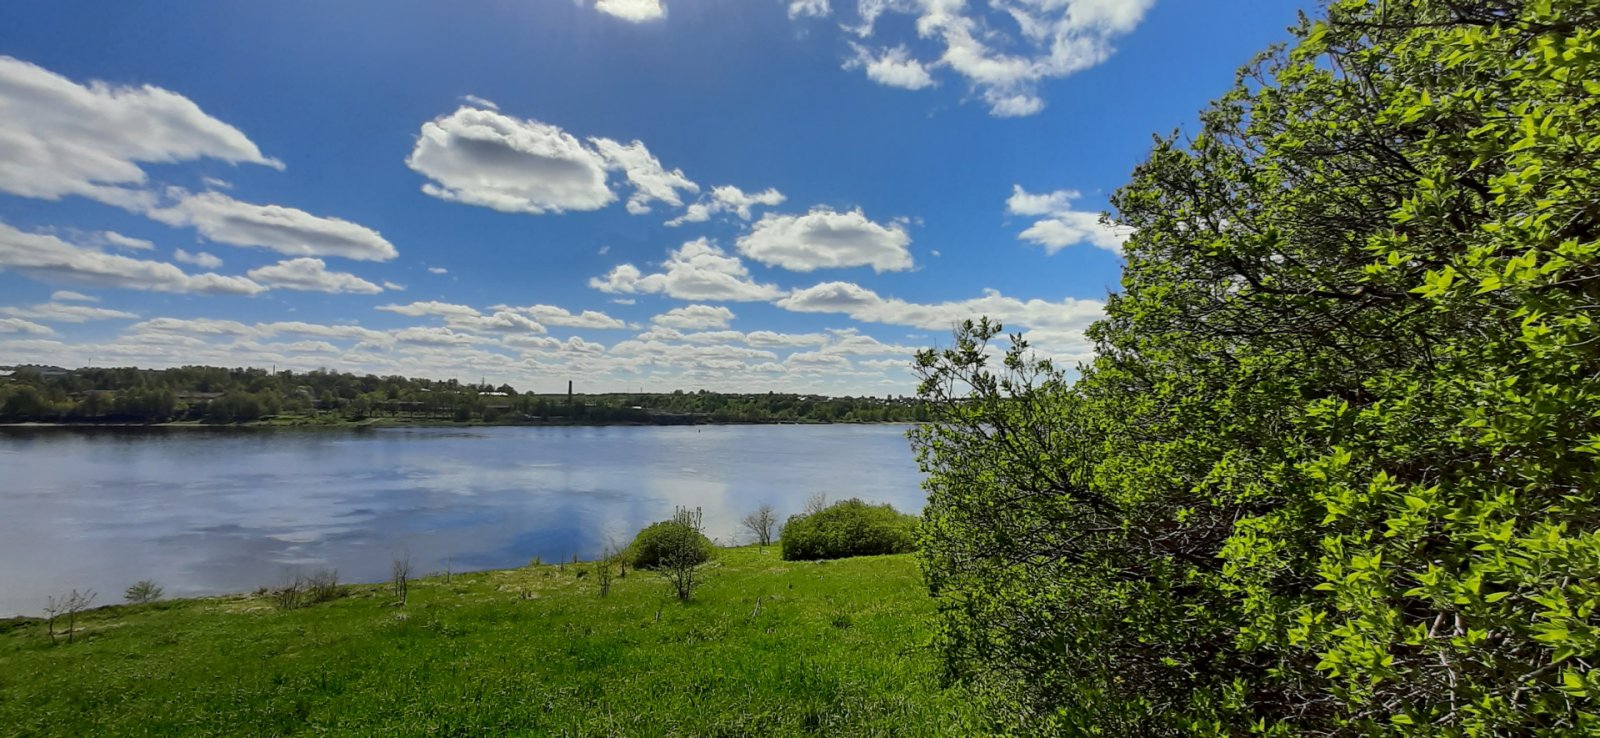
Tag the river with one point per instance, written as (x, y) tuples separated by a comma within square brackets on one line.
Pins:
[(210, 511)]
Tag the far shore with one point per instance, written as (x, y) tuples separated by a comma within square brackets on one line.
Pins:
[(301, 423)]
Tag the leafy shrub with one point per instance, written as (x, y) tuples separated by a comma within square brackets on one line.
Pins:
[(1333, 468), (141, 592), (322, 586), (659, 543), (848, 528)]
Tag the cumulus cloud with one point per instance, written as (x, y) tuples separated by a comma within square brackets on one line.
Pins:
[(307, 274), (117, 240), (633, 11), (727, 199), (482, 157), (694, 317), (59, 312), (865, 305), (809, 9), (70, 296), (431, 308), (47, 257), (1063, 226), (559, 316), (824, 238), (651, 181), (199, 258), (18, 325), (61, 138), (438, 270), (891, 67), (1002, 49), (696, 271), (435, 337), (468, 318), (286, 230)]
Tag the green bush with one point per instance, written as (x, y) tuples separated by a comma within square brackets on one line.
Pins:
[(656, 544), (848, 528), (1334, 469)]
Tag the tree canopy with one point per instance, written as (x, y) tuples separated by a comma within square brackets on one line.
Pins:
[(1332, 470)]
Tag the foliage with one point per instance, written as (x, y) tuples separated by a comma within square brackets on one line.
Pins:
[(848, 528), (142, 592), (760, 524), (683, 555), (1333, 469), (669, 540), (322, 586), (473, 658)]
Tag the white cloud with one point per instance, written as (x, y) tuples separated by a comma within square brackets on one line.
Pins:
[(57, 312), (435, 337), (478, 102), (321, 330), (633, 11), (199, 258), (467, 318), (501, 320), (61, 138), (311, 275), (824, 238), (865, 305), (809, 9), (727, 199), (482, 157), (438, 270), (431, 308), (285, 230), (69, 295), (1003, 49), (696, 271), (194, 326), (1064, 226), (120, 241), (559, 316), (892, 67), (650, 180), (18, 325), (694, 317), (47, 257)]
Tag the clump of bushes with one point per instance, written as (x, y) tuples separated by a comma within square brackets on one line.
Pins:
[(669, 541), (848, 528)]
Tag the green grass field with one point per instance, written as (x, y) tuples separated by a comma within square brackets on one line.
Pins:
[(837, 648)]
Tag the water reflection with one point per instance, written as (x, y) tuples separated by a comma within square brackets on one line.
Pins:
[(203, 511)]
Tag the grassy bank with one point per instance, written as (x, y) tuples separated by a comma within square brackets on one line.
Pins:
[(835, 648)]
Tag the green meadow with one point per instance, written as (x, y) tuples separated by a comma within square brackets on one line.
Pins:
[(833, 648)]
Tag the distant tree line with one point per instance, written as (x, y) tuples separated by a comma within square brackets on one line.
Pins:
[(242, 395)]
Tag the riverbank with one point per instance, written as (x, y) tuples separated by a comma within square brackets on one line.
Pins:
[(767, 647)]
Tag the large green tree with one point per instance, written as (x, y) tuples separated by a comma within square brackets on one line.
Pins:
[(1333, 468)]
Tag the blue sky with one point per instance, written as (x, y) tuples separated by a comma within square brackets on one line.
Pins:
[(725, 194)]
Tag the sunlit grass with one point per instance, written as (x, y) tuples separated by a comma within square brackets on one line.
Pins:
[(837, 648)]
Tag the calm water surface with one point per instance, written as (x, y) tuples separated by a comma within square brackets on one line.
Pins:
[(214, 511)]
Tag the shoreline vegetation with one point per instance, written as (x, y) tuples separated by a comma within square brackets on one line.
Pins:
[(765, 647), (46, 396)]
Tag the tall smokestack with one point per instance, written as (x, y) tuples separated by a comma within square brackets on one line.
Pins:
[(569, 392)]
